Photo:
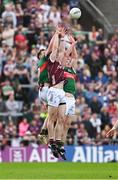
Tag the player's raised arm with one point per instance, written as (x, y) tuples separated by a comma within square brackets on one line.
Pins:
[(49, 49), (74, 56), (61, 49), (72, 50), (55, 46), (113, 130), (74, 53)]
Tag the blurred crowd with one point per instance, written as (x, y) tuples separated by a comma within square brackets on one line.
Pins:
[(26, 27)]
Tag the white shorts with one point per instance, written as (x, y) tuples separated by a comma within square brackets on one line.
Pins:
[(70, 106), (43, 94), (55, 97)]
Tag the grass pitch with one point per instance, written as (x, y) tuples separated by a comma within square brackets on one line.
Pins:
[(58, 171)]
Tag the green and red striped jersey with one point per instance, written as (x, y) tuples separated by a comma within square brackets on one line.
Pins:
[(42, 67)]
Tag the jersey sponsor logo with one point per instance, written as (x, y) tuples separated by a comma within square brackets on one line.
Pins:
[(69, 75), (43, 67)]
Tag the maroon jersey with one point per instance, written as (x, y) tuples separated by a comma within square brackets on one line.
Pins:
[(56, 72)]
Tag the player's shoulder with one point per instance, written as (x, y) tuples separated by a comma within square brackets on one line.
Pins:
[(41, 61)]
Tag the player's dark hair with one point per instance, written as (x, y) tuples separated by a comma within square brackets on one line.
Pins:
[(39, 53)]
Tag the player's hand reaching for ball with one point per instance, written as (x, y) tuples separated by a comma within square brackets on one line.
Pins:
[(58, 30), (63, 32), (72, 40)]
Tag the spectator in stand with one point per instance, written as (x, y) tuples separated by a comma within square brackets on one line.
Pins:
[(96, 123), (7, 89), (21, 42), (46, 10), (114, 118), (101, 78), (8, 35), (95, 64), (111, 91), (23, 127), (9, 69), (88, 125), (2, 105), (15, 141), (106, 55), (22, 74), (100, 36), (2, 129), (54, 16), (93, 35), (100, 40), (85, 76), (36, 107), (4, 50), (112, 108), (102, 96), (109, 68), (104, 140), (10, 129), (89, 92), (83, 135), (19, 13), (114, 55), (114, 41), (80, 63), (65, 13), (34, 127), (11, 104), (105, 118), (95, 105), (9, 15), (70, 140), (80, 105)]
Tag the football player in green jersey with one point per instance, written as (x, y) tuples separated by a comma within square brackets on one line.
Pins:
[(69, 85), (43, 82)]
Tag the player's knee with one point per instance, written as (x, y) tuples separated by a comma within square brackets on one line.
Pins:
[(61, 119), (52, 116)]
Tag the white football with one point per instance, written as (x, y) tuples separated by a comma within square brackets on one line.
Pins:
[(75, 13)]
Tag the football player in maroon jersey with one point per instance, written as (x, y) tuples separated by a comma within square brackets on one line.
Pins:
[(43, 83), (56, 97), (42, 136)]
